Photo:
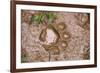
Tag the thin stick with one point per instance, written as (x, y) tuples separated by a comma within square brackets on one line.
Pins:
[(49, 56)]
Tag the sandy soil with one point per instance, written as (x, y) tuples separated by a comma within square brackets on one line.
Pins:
[(75, 47)]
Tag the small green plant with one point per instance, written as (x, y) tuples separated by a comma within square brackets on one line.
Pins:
[(43, 18)]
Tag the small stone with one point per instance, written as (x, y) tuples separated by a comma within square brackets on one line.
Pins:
[(61, 26), (64, 44), (49, 36), (65, 35)]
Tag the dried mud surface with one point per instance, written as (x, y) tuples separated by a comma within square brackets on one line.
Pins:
[(74, 46)]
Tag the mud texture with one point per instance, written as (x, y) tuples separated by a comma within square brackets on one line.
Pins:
[(69, 34)]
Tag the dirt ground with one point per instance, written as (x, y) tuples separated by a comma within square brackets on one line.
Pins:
[(73, 42)]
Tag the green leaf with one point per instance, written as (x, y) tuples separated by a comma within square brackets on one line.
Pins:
[(43, 16)]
